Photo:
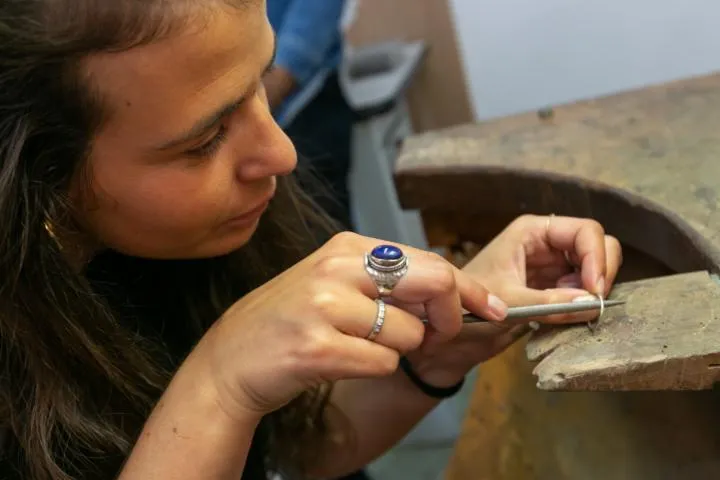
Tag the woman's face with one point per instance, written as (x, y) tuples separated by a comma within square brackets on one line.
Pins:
[(186, 163)]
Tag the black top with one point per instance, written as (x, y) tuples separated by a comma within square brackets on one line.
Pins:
[(128, 284)]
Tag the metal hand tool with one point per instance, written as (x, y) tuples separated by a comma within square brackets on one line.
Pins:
[(548, 309)]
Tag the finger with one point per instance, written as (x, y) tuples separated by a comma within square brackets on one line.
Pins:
[(430, 280), (572, 259), (346, 243), (400, 330), (529, 296), (613, 256), (442, 303), (472, 297), (584, 239), (571, 280), (614, 259), (476, 299), (547, 277), (541, 257), (415, 309), (352, 357)]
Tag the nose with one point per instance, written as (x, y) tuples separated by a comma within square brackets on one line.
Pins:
[(263, 150)]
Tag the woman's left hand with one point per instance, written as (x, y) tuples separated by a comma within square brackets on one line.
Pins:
[(535, 260)]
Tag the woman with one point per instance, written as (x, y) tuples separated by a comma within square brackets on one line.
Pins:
[(164, 311)]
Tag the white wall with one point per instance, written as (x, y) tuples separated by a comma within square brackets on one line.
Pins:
[(525, 54)]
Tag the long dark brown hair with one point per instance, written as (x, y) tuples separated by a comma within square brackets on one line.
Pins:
[(75, 382)]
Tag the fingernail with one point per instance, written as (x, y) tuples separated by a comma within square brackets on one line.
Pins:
[(600, 286), (584, 298), (497, 306), (570, 283)]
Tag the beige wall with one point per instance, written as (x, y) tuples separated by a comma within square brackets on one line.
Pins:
[(439, 94)]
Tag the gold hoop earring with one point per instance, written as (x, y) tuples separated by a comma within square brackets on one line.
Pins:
[(51, 233)]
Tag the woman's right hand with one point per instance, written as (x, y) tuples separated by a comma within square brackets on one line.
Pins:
[(308, 326)]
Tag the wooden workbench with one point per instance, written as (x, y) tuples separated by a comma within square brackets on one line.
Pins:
[(646, 164)]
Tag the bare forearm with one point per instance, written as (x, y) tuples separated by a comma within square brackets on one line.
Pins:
[(377, 413), (189, 436)]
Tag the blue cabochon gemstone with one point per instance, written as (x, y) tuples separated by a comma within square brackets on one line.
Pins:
[(386, 252)]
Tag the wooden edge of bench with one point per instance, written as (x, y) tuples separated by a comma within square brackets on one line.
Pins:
[(666, 337)]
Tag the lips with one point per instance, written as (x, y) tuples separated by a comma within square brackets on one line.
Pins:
[(250, 215)]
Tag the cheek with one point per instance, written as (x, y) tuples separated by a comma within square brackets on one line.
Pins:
[(161, 203), (174, 195)]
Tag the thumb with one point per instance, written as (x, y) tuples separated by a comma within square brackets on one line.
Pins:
[(520, 296)]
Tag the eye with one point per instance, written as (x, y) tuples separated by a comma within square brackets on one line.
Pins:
[(210, 148)]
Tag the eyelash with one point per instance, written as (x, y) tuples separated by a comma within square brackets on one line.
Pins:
[(210, 147)]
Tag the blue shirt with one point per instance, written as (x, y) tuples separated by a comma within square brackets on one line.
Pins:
[(309, 45)]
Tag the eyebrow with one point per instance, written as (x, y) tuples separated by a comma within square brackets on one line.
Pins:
[(214, 118)]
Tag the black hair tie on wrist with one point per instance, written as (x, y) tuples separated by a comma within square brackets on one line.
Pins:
[(427, 389)]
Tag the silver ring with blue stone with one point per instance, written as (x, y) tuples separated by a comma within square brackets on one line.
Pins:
[(386, 265)]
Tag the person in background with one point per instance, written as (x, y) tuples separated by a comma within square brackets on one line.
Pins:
[(306, 98)]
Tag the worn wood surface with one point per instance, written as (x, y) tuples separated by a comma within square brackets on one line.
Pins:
[(667, 334), (514, 431), (646, 164), (643, 163)]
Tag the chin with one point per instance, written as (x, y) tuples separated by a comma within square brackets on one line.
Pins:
[(226, 243), (216, 244)]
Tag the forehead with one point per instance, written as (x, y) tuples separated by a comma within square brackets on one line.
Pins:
[(159, 88)]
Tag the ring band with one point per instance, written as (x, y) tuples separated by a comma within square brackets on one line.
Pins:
[(379, 320), (547, 225), (592, 325)]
